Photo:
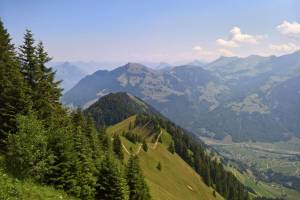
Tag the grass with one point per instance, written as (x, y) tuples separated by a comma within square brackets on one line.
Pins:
[(261, 188), (278, 156), (13, 189), (177, 180)]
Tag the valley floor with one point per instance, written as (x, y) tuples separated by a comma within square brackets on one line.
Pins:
[(272, 169)]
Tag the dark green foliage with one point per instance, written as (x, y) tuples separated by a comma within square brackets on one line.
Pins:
[(7, 188), (130, 126), (28, 60), (114, 108), (14, 97), (214, 193), (145, 146), (27, 154), (48, 91), (111, 181), (44, 90), (132, 137), (117, 147), (138, 189), (171, 147), (159, 167), (77, 153)]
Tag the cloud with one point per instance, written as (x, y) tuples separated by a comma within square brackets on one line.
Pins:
[(290, 29), (237, 38), (225, 52), (226, 43), (197, 48), (202, 51), (284, 48)]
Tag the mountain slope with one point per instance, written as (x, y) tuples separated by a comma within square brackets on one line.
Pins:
[(252, 98), (105, 111), (158, 132), (177, 180), (69, 74)]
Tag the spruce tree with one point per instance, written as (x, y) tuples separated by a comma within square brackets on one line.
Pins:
[(27, 152), (138, 189), (158, 166), (44, 90), (145, 146), (47, 89), (171, 147), (111, 182), (14, 97), (117, 147), (28, 60)]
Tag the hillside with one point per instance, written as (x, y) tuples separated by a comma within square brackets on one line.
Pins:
[(68, 73), (149, 127), (177, 180), (113, 108), (11, 188), (253, 98)]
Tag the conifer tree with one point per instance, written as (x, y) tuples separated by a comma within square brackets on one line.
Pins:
[(111, 182), (44, 90), (27, 154), (83, 168), (145, 146), (159, 167), (28, 60), (171, 147), (48, 91), (138, 189), (117, 147), (14, 97)]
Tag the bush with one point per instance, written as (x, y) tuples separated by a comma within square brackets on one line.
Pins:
[(27, 154)]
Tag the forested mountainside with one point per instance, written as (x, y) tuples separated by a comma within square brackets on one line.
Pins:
[(113, 108), (47, 148), (252, 98), (148, 126)]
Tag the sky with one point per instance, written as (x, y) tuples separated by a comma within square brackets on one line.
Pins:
[(155, 30)]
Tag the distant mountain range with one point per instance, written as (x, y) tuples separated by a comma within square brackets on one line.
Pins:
[(252, 98)]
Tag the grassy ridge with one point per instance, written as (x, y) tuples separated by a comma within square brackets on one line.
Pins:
[(177, 180)]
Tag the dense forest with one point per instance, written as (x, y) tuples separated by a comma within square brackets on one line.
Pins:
[(43, 142)]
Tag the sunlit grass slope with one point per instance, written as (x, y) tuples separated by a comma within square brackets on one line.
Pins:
[(177, 180)]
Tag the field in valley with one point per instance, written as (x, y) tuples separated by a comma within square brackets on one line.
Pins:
[(270, 169)]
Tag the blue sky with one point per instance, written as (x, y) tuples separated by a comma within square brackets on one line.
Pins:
[(155, 30)]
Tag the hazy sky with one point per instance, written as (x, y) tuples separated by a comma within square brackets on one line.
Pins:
[(155, 30)]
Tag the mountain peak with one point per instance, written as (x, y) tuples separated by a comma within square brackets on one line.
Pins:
[(136, 68)]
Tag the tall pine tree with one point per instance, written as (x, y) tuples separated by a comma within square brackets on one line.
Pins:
[(111, 181), (117, 147), (48, 91), (14, 97), (138, 189), (44, 90)]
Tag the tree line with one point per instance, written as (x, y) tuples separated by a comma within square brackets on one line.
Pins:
[(44, 142), (192, 151)]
